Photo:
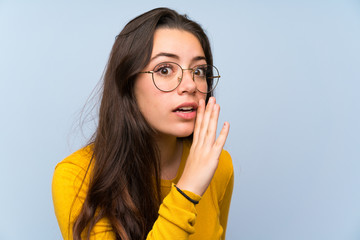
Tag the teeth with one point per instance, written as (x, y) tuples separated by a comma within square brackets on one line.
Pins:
[(186, 108)]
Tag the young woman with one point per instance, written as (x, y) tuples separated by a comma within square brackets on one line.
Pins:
[(154, 169)]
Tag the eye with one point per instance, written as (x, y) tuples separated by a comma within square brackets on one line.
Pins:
[(164, 69), (200, 71)]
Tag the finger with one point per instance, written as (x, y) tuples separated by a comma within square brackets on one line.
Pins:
[(199, 117), (211, 131), (206, 118), (220, 141)]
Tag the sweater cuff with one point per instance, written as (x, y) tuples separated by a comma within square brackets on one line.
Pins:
[(178, 210)]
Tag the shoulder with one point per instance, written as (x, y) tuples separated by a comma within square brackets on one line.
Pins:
[(79, 159), (224, 175), (225, 163), (72, 171), (69, 187), (225, 168)]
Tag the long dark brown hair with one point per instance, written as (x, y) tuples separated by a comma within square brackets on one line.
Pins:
[(125, 179)]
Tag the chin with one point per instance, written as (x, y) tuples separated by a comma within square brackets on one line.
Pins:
[(177, 130), (184, 133)]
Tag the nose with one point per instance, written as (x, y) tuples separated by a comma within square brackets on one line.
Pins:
[(187, 82)]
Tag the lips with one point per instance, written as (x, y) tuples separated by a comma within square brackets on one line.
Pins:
[(186, 107), (186, 111)]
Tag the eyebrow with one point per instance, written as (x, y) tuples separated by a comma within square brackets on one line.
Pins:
[(171, 55)]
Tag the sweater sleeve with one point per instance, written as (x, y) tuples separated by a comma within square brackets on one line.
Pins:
[(176, 219)]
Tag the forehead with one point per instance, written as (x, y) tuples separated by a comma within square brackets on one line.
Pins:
[(178, 42)]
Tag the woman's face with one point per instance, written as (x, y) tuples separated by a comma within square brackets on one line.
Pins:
[(171, 113)]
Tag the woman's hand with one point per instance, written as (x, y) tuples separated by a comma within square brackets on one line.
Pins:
[(205, 150)]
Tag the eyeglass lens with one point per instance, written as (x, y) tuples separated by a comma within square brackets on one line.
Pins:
[(167, 76)]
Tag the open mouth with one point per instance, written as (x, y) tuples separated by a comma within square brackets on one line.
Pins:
[(185, 109)]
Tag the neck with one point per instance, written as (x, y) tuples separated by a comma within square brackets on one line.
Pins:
[(170, 155)]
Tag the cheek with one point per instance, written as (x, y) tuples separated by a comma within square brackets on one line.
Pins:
[(201, 96), (147, 98), (141, 92)]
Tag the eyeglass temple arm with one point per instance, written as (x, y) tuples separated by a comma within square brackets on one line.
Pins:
[(214, 77)]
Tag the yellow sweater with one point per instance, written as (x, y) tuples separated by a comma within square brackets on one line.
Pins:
[(178, 217)]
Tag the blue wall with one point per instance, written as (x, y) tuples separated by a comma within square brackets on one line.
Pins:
[(289, 88)]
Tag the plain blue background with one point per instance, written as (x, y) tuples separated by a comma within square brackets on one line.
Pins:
[(289, 88)]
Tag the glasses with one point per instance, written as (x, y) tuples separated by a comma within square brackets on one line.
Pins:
[(167, 76)]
